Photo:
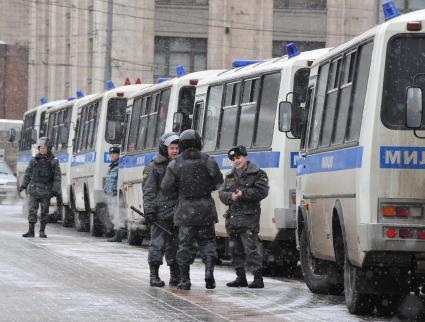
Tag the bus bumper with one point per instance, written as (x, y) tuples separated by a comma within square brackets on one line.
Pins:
[(285, 218)]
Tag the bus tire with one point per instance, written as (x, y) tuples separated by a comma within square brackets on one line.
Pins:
[(82, 221), (96, 226), (134, 237), (67, 216), (357, 302), (321, 276)]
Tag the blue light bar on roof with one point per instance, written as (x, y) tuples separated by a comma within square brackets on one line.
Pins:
[(109, 85), (292, 50), (162, 79), (70, 98), (80, 94), (244, 62), (180, 71), (43, 100), (390, 10)]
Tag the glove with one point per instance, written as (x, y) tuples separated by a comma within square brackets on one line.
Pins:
[(21, 188), (150, 217)]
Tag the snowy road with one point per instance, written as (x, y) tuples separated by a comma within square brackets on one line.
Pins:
[(72, 276)]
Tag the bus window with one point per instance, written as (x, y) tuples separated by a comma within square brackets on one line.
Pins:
[(43, 125), (308, 105), (198, 117), (96, 115), (213, 115), (27, 127), (185, 105), (359, 91), (66, 126), (143, 124), (86, 126), (316, 118), (299, 98), (248, 111), (162, 114), (229, 116), (153, 122), (126, 131), (115, 120), (267, 110), (134, 125)]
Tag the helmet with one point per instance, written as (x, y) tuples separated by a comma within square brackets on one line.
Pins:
[(114, 149), (190, 139), (165, 141), (44, 141), (237, 150)]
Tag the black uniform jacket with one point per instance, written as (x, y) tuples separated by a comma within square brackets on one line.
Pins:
[(154, 200), (244, 212), (193, 175)]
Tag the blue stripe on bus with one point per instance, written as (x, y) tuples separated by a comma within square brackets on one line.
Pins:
[(24, 157), (344, 159), (294, 159), (136, 160), (106, 157), (88, 157), (62, 157), (265, 160), (402, 157)]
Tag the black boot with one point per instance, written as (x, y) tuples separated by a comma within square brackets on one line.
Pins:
[(117, 237), (258, 280), (154, 276), (30, 232), (240, 280), (209, 273), (42, 228), (184, 277), (174, 275)]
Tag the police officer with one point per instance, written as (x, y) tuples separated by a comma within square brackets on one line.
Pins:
[(42, 180), (243, 189), (194, 175), (110, 189), (160, 209)]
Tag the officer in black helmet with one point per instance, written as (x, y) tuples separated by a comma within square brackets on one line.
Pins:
[(42, 180), (160, 208), (243, 189), (194, 176)]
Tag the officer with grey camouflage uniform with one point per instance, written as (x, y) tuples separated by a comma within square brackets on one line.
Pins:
[(194, 176), (243, 189), (42, 181), (160, 209)]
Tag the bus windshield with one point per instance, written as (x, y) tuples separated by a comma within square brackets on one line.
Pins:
[(405, 66), (115, 120), (186, 101)]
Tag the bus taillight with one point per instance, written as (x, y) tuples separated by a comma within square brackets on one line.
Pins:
[(414, 26), (391, 232), (406, 233), (421, 234)]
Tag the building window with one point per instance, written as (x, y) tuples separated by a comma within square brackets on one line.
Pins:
[(279, 46), (182, 2), (299, 4), (170, 52)]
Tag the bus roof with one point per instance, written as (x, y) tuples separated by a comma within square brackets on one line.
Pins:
[(414, 16), (45, 106), (265, 66), (10, 121)]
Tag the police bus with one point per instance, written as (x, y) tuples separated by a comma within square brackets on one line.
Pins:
[(99, 125), (33, 127), (164, 107), (360, 177), (7, 145), (239, 106), (60, 122)]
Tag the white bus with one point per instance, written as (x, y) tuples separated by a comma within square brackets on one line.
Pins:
[(239, 106), (33, 127), (158, 109), (60, 122), (7, 144), (99, 125), (360, 177)]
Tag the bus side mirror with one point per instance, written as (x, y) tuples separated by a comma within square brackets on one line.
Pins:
[(414, 107), (285, 115), (178, 122), (12, 135), (33, 136)]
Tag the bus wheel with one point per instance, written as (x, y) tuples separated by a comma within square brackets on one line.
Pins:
[(321, 276), (134, 237), (82, 221), (67, 216), (357, 303), (96, 226)]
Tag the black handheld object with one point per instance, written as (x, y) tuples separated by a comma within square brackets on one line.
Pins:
[(137, 211)]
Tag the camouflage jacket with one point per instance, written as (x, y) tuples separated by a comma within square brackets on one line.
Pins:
[(42, 177), (111, 182)]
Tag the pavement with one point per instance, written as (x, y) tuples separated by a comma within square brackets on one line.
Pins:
[(71, 276)]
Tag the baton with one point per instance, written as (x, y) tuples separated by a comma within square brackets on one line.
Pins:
[(154, 223)]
